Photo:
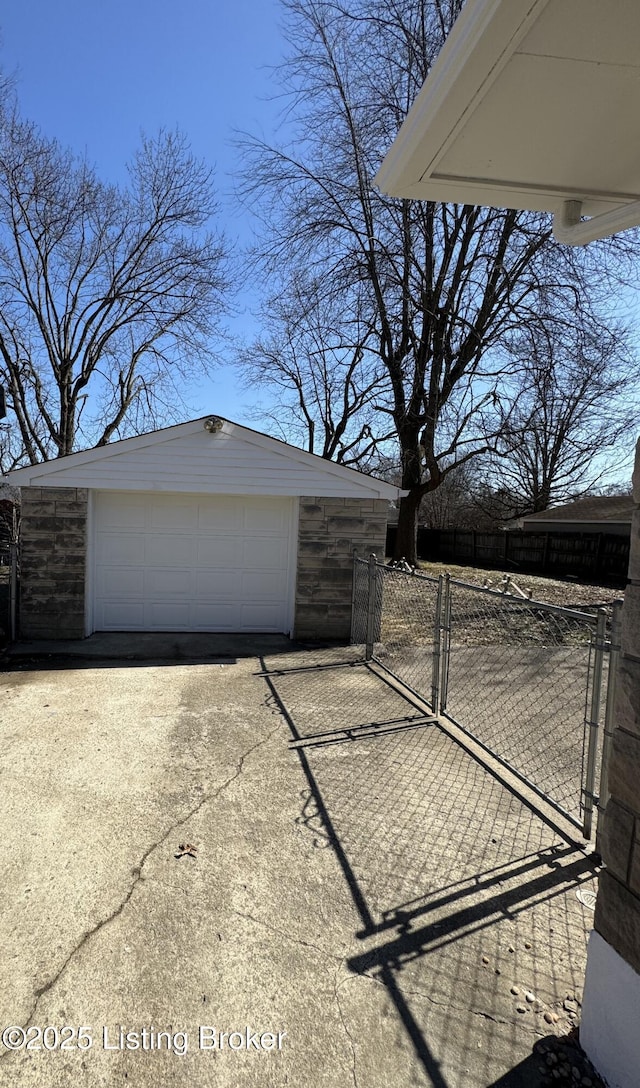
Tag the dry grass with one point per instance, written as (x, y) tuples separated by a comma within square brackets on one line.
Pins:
[(551, 591), (488, 620)]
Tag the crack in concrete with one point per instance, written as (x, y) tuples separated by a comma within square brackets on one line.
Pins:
[(137, 871), (288, 936), (455, 1008), (487, 1016), (336, 988)]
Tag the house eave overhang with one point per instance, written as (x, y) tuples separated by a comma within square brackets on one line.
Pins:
[(530, 105)]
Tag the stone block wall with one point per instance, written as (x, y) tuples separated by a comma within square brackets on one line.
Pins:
[(52, 562), (329, 530), (617, 916)]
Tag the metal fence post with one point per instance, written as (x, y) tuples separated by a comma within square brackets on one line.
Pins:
[(609, 722), (593, 723), (354, 596), (371, 606), (445, 643), (435, 664)]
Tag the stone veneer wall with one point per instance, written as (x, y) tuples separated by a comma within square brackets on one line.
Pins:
[(329, 530), (617, 917), (52, 562)]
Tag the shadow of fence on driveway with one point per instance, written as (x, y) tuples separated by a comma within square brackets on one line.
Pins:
[(465, 893)]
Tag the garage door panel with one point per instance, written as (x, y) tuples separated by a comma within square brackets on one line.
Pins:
[(260, 617), (170, 550), (114, 550), (122, 615), (168, 513), (167, 582), (263, 517), (219, 551), (120, 582), (216, 617), (224, 585), (120, 512), (202, 563), (264, 554), (168, 615), (221, 515), (256, 586)]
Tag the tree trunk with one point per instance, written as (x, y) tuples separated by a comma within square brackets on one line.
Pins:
[(406, 536)]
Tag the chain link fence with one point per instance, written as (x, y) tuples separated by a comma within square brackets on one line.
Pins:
[(520, 677), (402, 622), (529, 681)]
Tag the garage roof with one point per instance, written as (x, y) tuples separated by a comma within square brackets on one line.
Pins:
[(209, 455), (531, 104), (617, 509)]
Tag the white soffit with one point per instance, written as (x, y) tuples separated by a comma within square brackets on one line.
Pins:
[(530, 104)]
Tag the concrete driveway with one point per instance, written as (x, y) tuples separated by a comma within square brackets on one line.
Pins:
[(367, 904)]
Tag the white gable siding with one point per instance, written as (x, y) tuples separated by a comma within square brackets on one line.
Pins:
[(189, 459)]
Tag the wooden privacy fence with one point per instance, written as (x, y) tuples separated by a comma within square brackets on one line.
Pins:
[(602, 557)]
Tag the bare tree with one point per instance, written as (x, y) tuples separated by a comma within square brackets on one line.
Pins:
[(108, 295), (440, 288), (453, 505), (318, 368), (570, 414)]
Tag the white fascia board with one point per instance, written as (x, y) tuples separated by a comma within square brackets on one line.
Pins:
[(480, 44)]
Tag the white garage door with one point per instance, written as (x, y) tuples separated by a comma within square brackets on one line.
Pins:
[(170, 562)]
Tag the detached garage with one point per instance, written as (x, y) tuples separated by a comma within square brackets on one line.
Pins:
[(205, 526)]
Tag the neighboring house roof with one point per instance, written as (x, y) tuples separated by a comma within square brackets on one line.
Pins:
[(188, 457), (604, 508), (531, 104)]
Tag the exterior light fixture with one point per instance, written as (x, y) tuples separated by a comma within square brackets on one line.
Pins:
[(213, 424)]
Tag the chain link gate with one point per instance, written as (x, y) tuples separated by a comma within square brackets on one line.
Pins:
[(531, 682)]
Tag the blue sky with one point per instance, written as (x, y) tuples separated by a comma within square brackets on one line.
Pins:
[(95, 75)]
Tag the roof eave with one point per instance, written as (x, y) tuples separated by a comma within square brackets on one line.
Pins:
[(480, 43)]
